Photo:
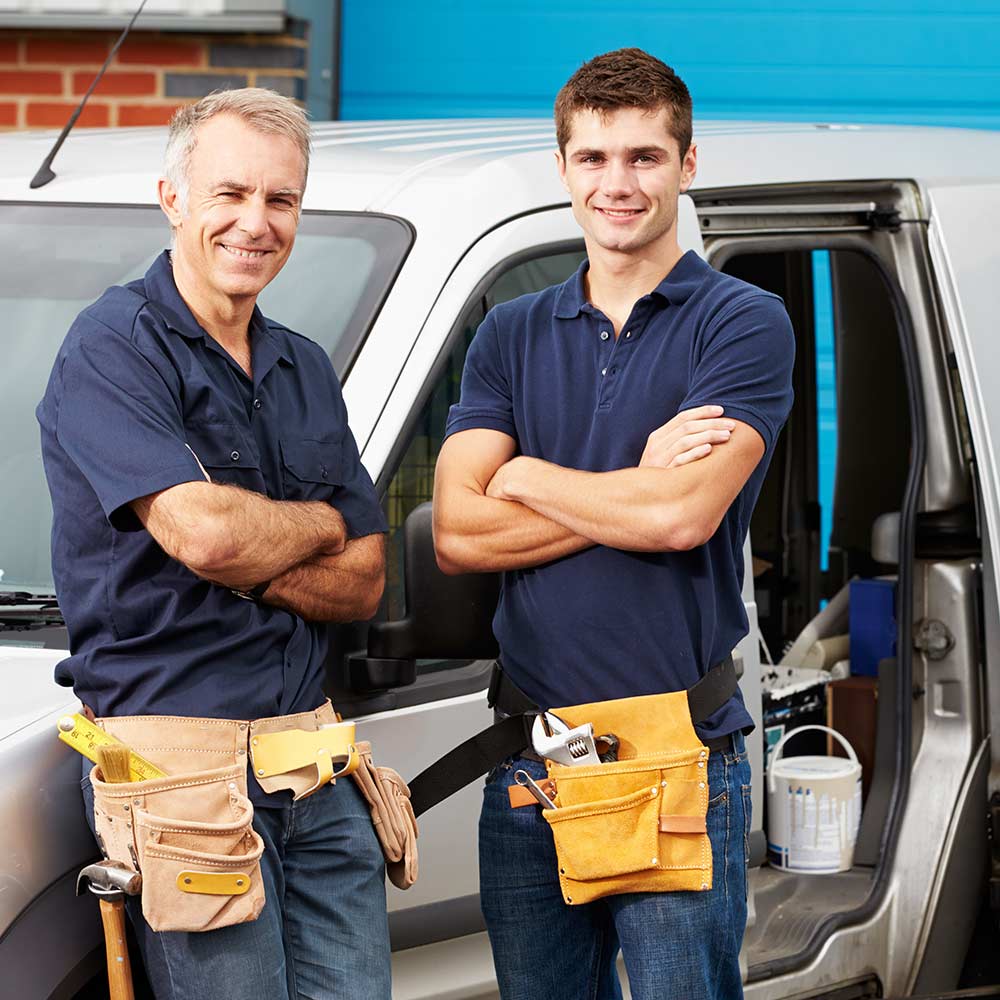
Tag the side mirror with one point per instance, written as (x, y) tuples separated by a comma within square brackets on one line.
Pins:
[(447, 617)]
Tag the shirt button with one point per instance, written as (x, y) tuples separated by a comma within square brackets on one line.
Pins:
[(323, 471), (605, 334), (256, 404), (628, 333), (604, 371), (235, 456)]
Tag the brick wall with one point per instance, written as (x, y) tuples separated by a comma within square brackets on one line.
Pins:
[(43, 74)]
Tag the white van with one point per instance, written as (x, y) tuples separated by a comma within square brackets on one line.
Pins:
[(411, 232)]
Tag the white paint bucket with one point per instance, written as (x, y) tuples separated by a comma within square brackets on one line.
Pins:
[(814, 808)]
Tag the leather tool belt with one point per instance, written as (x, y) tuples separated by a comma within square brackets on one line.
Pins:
[(636, 824), (190, 833), (657, 735)]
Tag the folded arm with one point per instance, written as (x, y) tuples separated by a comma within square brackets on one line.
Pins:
[(474, 533), (236, 537), (645, 509), (479, 528), (334, 588)]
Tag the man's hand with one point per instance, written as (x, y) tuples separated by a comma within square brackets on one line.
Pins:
[(689, 436)]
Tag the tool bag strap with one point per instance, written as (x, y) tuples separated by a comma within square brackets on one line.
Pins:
[(476, 756)]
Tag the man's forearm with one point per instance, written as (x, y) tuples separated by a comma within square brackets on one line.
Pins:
[(482, 534), (236, 537), (642, 509), (341, 588)]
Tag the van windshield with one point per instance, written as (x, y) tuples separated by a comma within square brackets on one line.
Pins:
[(56, 259)]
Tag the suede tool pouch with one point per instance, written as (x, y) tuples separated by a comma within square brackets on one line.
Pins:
[(636, 824), (198, 874), (388, 799)]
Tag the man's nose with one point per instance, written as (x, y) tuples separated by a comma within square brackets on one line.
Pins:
[(617, 180), (253, 217)]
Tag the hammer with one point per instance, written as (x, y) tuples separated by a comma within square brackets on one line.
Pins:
[(111, 882)]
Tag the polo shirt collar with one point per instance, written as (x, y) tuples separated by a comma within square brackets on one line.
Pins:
[(677, 287), (162, 293)]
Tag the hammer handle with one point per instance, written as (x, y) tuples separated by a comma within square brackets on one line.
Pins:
[(116, 946)]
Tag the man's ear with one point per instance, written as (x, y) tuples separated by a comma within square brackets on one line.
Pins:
[(689, 167), (170, 201), (561, 166)]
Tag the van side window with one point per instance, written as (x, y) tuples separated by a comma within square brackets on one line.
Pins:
[(413, 481)]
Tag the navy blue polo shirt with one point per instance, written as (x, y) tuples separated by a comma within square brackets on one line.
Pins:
[(547, 370), (137, 391)]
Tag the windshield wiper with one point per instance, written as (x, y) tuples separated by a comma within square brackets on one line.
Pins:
[(22, 598)]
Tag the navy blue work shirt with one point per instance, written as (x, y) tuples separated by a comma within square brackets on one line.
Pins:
[(547, 370), (137, 391)]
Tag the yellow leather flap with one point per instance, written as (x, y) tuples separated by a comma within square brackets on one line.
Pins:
[(291, 749), (645, 724), (214, 883)]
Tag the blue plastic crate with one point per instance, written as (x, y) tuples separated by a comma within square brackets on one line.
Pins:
[(873, 624)]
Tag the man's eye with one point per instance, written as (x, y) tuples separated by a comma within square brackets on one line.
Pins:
[(229, 194)]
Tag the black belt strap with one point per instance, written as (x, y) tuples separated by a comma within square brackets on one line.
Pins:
[(473, 758)]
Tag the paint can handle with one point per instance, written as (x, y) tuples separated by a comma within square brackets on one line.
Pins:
[(780, 745)]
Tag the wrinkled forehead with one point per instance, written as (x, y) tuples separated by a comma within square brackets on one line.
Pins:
[(226, 146)]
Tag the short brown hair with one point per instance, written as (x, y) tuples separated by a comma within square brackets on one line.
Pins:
[(625, 78)]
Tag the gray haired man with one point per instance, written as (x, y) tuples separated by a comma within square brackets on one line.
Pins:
[(210, 515)]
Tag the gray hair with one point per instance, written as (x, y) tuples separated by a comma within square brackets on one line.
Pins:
[(263, 110)]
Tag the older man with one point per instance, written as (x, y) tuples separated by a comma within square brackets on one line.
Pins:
[(210, 513)]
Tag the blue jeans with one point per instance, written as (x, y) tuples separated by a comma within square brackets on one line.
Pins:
[(323, 932), (676, 945)]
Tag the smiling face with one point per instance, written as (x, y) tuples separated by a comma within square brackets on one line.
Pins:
[(624, 172), (238, 225)]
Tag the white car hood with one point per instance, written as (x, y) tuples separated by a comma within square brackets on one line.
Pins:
[(29, 690)]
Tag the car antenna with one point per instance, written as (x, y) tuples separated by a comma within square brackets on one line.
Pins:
[(45, 171)]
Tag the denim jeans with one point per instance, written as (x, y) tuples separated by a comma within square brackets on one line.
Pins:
[(323, 932), (676, 945)]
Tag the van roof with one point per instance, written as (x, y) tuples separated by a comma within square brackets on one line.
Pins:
[(496, 168)]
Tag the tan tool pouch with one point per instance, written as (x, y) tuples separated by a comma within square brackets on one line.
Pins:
[(395, 825), (637, 824), (190, 833), (197, 874)]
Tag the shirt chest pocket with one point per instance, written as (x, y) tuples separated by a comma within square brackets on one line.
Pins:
[(311, 469), (226, 456)]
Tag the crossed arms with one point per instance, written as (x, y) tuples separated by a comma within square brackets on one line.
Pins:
[(238, 538), (494, 510)]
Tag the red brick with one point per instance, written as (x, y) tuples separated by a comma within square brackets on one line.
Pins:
[(8, 50), (30, 81), (116, 84), (140, 51), (53, 115), (145, 114), (65, 50), (8, 114)]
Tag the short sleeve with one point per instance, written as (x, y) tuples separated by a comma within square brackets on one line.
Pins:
[(485, 400), (356, 500), (746, 365), (121, 425)]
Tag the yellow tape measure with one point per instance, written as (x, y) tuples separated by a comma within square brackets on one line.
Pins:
[(84, 737)]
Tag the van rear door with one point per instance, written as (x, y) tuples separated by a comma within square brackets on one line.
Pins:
[(964, 220)]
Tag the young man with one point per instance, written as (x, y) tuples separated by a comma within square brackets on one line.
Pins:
[(611, 440), (210, 513)]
